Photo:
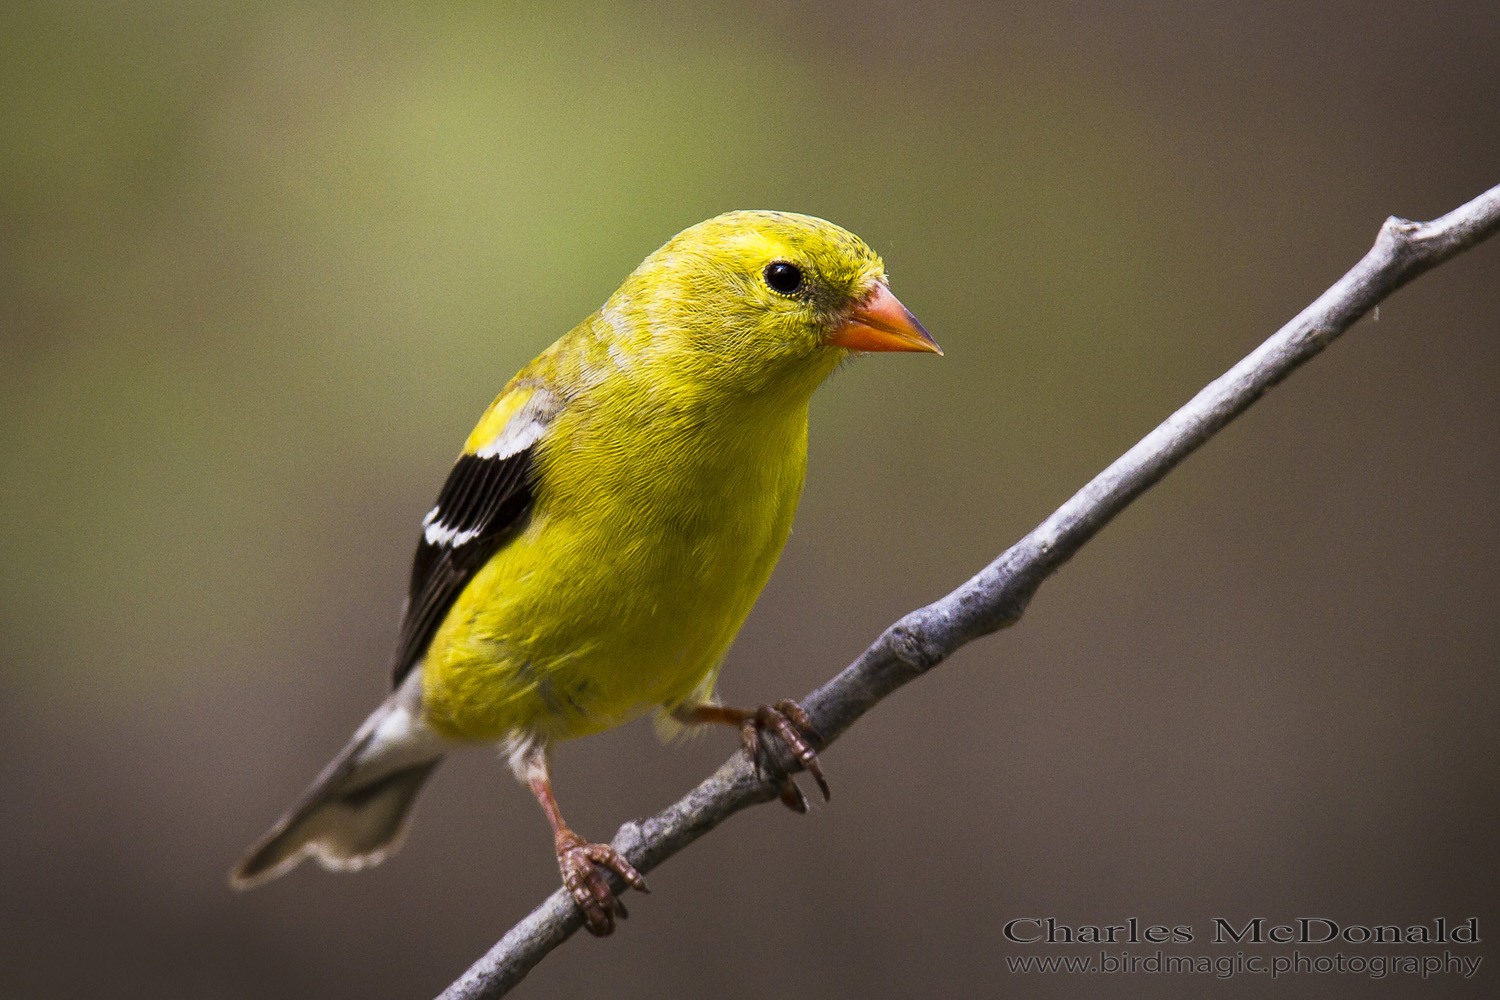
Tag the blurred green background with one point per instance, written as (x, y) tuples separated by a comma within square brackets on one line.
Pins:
[(262, 265)]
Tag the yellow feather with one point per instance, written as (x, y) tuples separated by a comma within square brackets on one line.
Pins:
[(497, 417)]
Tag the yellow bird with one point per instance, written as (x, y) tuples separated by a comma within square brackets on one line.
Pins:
[(605, 531)]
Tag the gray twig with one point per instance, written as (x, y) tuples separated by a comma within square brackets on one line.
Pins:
[(997, 595)]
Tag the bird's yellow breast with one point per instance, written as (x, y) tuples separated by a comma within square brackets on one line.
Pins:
[(656, 524)]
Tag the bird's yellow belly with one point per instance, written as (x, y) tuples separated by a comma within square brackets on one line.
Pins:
[(574, 627)]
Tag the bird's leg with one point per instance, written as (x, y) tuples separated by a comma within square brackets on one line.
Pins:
[(577, 858), (787, 720)]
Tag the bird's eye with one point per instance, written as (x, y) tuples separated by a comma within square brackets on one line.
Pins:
[(785, 278)]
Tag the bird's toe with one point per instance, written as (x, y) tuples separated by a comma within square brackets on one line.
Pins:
[(790, 723), (583, 866)]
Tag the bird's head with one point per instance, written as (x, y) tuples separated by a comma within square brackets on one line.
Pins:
[(759, 299)]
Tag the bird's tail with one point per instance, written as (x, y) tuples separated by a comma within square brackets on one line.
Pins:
[(357, 811)]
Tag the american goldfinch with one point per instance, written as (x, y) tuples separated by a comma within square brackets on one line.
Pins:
[(604, 533)]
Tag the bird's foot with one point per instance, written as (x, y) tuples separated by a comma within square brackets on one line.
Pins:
[(790, 723), (580, 862)]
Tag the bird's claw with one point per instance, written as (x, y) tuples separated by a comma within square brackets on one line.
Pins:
[(580, 862), (789, 722)]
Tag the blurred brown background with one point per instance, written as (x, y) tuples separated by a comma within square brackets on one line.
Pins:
[(260, 268)]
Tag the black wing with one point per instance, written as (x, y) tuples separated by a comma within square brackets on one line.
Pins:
[(482, 505)]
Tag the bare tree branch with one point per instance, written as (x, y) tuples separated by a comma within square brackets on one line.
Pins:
[(999, 593)]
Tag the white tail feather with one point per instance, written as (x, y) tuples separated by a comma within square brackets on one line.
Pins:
[(355, 814)]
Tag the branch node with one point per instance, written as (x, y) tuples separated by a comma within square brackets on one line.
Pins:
[(906, 645), (628, 838), (1399, 225)]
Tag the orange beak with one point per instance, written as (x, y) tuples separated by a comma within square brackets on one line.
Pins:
[(881, 323)]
